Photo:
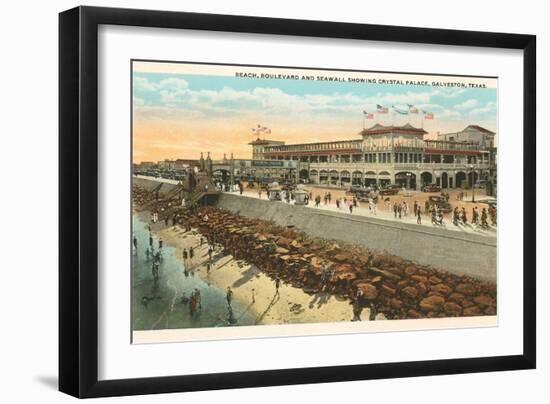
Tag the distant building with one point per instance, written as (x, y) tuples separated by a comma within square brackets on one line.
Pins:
[(472, 133), (390, 155), (166, 164), (144, 165)]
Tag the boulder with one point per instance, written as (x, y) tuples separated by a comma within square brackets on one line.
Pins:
[(388, 289), (466, 289), (456, 297), (410, 291), (441, 288), (472, 311), (434, 280), (490, 311), (369, 291), (484, 300), (452, 309), (396, 303), (385, 274), (410, 270), (432, 303), (420, 278)]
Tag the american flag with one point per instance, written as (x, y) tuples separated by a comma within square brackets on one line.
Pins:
[(368, 115), (412, 109), (381, 109)]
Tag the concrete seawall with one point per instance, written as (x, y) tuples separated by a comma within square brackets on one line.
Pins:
[(459, 253), (149, 184)]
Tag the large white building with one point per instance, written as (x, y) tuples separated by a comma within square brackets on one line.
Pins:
[(391, 155)]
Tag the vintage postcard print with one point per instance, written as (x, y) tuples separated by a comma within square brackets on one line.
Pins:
[(273, 201)]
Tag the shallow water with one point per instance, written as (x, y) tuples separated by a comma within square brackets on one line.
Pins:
[(158, 305)]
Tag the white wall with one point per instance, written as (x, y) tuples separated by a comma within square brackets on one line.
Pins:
[(28, 345)]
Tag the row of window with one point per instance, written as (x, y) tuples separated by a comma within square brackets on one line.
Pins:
[(384, 158)]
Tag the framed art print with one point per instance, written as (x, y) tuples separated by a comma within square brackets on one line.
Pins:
[(251, 201)]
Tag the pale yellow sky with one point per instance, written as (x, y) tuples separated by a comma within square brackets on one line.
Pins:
[(155, 140)]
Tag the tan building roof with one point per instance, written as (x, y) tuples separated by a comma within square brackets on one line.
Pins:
[(382, 129)]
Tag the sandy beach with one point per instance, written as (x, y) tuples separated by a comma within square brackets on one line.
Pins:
[(253, 288)]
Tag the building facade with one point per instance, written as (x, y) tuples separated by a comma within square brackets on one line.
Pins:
[(391, 155)]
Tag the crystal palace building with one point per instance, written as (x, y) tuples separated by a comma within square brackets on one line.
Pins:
[(386, 155)]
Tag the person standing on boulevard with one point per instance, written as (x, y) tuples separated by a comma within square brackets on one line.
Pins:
[(418, 215), (455, 216), (475, 215), (484, 223), (464, 217)]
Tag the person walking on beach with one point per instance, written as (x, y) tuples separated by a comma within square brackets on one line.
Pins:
[(198, 298), (160, 244), (150, 240), (253, 295), (277, 284), (357, 305), (229, 296), (350, 208), (210, 251), (191, 253), (184, 256)]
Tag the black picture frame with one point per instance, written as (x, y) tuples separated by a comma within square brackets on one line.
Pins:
[(78, 200)]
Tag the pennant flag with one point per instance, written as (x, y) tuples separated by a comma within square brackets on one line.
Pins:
[(428, 115), (381, 109), (368, 115), (399, 111), (412, 109)]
